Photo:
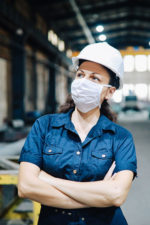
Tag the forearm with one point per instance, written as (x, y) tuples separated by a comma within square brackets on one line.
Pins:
[(95, 193), (46, 194)]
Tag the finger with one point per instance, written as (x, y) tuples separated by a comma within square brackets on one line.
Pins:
[(113, 166), (114, 176), (110, 171)]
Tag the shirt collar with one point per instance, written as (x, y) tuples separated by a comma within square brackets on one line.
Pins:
[(62, 118), (103, 122)]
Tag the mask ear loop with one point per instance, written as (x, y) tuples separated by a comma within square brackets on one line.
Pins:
[(76, 68), (104, 85), (100, 95), (107, 85)]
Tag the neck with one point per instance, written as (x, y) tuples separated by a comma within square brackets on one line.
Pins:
[(85, 120)]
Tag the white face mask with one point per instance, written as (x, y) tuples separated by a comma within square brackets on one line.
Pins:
[(86, 94)]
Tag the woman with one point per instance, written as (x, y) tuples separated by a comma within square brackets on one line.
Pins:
[(78, 163)]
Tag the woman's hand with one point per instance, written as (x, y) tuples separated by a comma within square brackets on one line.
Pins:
[(109, 175)]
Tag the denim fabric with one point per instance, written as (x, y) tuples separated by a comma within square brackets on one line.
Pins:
[(54, 145)]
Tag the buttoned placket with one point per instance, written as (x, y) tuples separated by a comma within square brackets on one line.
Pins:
[(78, 151), (80, 146)]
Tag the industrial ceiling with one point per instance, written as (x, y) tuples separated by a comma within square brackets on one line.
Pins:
[(125, 22)]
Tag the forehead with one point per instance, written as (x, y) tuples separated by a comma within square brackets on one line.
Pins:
[(93, 67)]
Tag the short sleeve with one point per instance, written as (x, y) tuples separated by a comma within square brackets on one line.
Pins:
[(32, 149), (125, 155)]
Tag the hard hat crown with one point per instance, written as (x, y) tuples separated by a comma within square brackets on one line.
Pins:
[(104, 54)]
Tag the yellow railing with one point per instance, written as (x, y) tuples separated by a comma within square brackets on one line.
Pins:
[(10, 214)]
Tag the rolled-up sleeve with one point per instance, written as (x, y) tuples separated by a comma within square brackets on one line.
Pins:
[(32, 149), (125, 155)]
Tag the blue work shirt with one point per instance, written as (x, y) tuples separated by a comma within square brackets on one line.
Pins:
[(54, 145)]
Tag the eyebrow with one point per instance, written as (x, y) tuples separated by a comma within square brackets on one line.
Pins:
[(92, 72)]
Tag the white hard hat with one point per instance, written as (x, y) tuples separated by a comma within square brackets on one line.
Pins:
[(104, 54)]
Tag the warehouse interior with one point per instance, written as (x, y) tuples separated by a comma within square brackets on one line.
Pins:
[(37, 41)]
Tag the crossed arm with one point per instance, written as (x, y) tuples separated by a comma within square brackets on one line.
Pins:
[(40, 186)]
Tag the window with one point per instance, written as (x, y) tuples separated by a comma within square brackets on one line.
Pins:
[(117, 96), (140, 63), (128, 63), (148, 62), (128, 89), (141, 91)]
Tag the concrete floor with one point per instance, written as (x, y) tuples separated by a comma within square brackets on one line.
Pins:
[(137, 206)]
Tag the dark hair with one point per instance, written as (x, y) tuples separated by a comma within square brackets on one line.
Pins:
[(105, 107)]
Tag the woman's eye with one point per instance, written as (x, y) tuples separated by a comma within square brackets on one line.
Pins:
[(79, 74), (96, 78)]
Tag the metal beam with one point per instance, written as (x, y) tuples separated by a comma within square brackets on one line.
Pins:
[(106, 22), (7, 164), (131, 29), (102, 10), (120, 42), (82, 22), (102, 7), (40, 7), (12, 149)]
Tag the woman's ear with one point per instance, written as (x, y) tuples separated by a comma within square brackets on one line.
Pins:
[(110, 93)]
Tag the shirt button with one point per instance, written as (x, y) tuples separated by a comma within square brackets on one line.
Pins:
[(78, 153), (63, 212), (103, 155), (74, 171), (82, 218), (69, 213), (49, 150)]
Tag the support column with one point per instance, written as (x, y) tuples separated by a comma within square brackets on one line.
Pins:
[(51, 97), (18, 75), (34, 90)]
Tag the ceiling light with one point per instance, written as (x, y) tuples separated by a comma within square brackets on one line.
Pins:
[(52, 37), (19, 31), (102, 37), (61, 45), (69, 53), (99, 28)]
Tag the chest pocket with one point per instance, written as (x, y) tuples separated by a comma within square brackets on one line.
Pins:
[(52, 149), (101, 161), (102, 154), (51, 158)]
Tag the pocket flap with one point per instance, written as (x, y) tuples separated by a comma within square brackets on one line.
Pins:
[(52, 149), (101, 154)]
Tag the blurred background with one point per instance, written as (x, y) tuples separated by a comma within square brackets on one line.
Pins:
[(37, 40)]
